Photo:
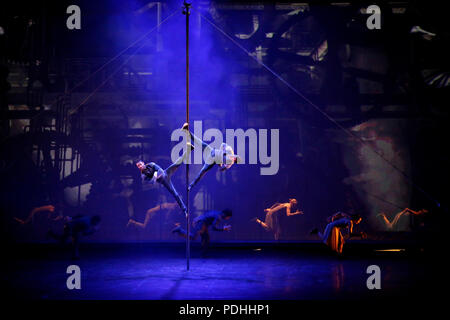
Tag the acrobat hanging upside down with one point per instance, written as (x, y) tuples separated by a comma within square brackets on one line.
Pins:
[(224, 157)]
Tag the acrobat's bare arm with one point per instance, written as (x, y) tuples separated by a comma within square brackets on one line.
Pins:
[(290, 213), (422, 211), (357, 234), (350, 228), (30, 217)]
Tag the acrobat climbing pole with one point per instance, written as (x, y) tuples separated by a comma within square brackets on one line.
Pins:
[(187, 12)]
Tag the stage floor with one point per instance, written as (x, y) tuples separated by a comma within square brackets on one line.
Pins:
[(229, 271)]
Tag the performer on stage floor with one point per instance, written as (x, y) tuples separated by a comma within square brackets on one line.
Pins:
[(272, 219), (393, 225), (154, 173), (224, 157), (201, 224), (48, 208), (150, 213), (332, 236), (74, 228)]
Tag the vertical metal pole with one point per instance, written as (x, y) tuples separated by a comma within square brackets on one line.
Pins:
[(187, 12), (158, 20)]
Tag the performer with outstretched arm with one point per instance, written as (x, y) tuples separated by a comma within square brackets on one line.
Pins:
[(74, 228), (201, 224), (224, 157), (154, 173), (271, 221), (150, 213), (332, 236), (391, 225), (48, 208)]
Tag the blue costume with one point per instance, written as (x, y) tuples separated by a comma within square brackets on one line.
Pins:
[(74, 228), (201, 224), (155, 173)]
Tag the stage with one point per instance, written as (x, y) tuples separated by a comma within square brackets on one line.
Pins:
[(279, 271)]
